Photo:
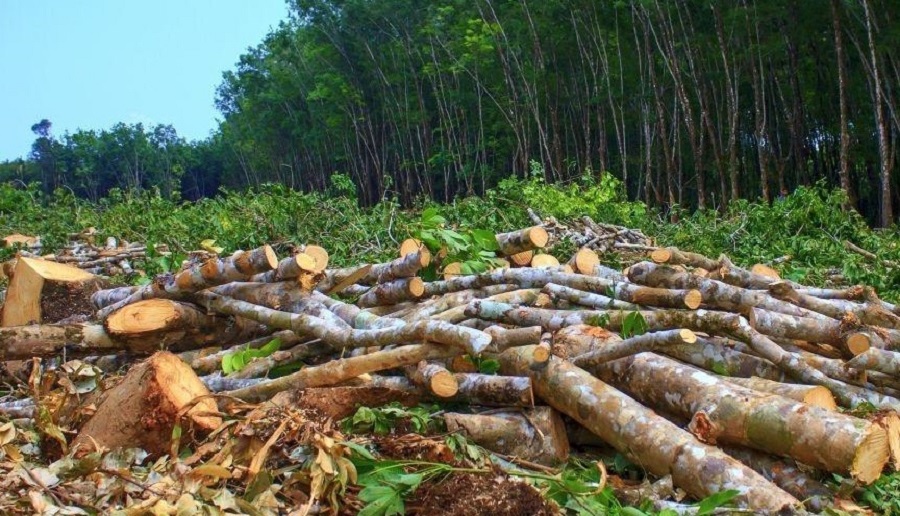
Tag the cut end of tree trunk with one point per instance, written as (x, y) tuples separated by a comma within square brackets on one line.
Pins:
[(305, 262), (765, 270), (687, 336), (857, 343), (409, 246), (142, 317), (18, 239), (584, 261), (544, 260), (538, 236), (522, 259), (890, 421), (144, 408), (452, 270), (443, 384), (692, 299), (319, 256), (661, 255), (871, 456), (819, 396), (270, 259), (44, 292)]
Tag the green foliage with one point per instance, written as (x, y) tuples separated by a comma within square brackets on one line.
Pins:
[(236, 360), (716, 500), (381, 420), (633, 324), (883, 495), (475, 249)]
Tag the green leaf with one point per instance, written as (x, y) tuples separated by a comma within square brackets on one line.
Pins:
[(227, 366), (485, 239), (382, 501), (488, 366), (716, 500)]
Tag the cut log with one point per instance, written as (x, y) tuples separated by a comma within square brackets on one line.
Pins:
[(647, 342), (523, 240), (588, 299), (452, 270), (584, 261), (156, 324), (103, 298), (537, 435), (288, 268), (868, 313), (49, 340), (47, 292), (544, 261), (883, 361), (20, 240), (407, 266), (522, 259), (397, 291), (502, 338), (319, 255), (722, 411), (602, 271), (142, 410), (435, 379), (645, 438), (723, 360), (844, 335), (814, 395), (765, 271), (673, 256), (410, 245)]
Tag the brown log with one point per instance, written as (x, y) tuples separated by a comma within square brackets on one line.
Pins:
[(845, 335), (407, 266), (47, 292), (452, 270), (868, 313), (502, 338), (522, 259), (887, 362), (814, 395), (526, 239), (288, 268), (634, 345), (537, 435), (18, 239), (434, 378), (142, 410), (410, 245), (673, 256), (726, 412), (659, 446)]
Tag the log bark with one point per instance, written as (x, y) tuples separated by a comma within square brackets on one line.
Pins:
[(104, 298), (814, 395), (867, 313), (883, 361), (726, 412), (588, 299), (602, 271), (634, 345), (211, 363), (407, 266), (142, 410), (502, 338), (524, 278), (474, 389), (522, 240), (49, 340), (525, 296), (674, 256), (786, 474), (845, 335), (289, 268), (723, 360), (293, 355), (397, 291), (537, 435), (645, 438), (47, 292)]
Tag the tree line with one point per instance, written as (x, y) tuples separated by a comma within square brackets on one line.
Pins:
[(690, 102)]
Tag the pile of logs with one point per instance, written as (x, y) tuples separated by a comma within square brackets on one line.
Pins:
[(600, 237), (711, 375)]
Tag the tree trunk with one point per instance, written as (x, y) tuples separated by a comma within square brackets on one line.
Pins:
[(47, 292), (645, 438)]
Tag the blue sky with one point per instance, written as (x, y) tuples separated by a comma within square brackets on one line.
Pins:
[(92, 63)]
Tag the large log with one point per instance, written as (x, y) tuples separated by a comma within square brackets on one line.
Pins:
[(868, 313), (883, 361), (49, 340), (674, 256), (537, 435), (524, 278), (660, 447), (474, 389), (142, 410), (723, 411), (47, 292), (634, 345)]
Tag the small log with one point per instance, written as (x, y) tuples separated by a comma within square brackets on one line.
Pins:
[(452, 270), (673, 256), (502, 338), (474, 389), (319, 254), (634, 345), (602, 271), (846, 335), (883, 361), (209, 364), (288, 268), (397, 291), (410, 245), (47, 292), (537, 435), (142, 410), (522, 240), (726, 412), (103, 298), (407, 266), (723, 360), (814, 395), (584, 261), (588, 299), (435, 379), (336, 280), (868, 313), (659, 446), (49, 340)]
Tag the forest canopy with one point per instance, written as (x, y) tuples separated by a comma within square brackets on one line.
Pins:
[(688, 103)]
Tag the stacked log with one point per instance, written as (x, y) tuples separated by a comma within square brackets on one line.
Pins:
[(718, 376)]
